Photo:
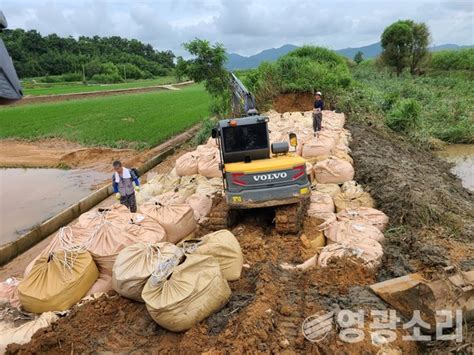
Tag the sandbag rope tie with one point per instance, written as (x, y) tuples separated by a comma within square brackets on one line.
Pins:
[(165, 266)]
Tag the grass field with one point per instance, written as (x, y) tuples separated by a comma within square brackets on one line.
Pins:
[(134, 120), (30, 88)]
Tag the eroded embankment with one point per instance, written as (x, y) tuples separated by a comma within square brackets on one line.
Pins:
[(431, 214)]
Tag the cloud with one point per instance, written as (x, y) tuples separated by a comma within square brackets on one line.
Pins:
[(243, 26)]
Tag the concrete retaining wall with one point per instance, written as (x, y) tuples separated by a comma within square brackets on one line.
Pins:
[(11, 250)]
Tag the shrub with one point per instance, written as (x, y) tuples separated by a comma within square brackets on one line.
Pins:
[(405, 117), (72, 77), (453, 60), (205, 131)]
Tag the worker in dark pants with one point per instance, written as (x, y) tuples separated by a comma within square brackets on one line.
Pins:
[(317, 113), (123, 182)]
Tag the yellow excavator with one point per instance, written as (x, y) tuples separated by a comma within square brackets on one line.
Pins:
[(256, 172)]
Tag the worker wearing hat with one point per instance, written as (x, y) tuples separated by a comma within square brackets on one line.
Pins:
[(317, 112)]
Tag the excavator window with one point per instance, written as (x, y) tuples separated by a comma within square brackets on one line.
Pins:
[(245, 137)]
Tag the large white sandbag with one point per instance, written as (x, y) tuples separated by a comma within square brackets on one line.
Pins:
[(333, 170), (222, 245), (177, 219), (210, 187), (201, 205), (317, 147), (364, 215), (353, 200), (9, 292), (135, 264), (368, 250), (330, 189), (342, 231), (187, 164), (208, 163), (320, 202), (191, 292)]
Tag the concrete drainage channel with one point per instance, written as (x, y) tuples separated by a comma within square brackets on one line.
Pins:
[(11, 250)]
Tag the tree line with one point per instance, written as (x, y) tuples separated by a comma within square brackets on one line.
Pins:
[(102, 59)]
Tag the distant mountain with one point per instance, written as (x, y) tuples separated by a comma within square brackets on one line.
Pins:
[(237, 61)]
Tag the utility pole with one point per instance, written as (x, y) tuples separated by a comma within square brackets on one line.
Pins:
[(124, 73), (83, 73)]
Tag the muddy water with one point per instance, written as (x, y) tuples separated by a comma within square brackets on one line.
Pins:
[(30, 196), (462, 156)]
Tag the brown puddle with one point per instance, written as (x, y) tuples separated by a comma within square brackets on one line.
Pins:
[(30, 196), (462, 156)]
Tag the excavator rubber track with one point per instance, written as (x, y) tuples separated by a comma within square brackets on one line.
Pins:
[(221, 216), (289, 218)]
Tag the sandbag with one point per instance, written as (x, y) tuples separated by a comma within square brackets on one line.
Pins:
[(177, 219), (117, 213), (224, 247), (324, 219), (342, 231), (23, 333), (368, 250), (317, 146), (145, 229), (330, 189), (168, 198), (193, 291), (353, 200), (9, 292), (210, 187), (72, 238), (352, 187), (201, 205), (135, 264), (344, 156), (320, 202), (187, 164), (188, 185), (365, 215), (102, 285), (333, 170), (208, 163), (57, 281)]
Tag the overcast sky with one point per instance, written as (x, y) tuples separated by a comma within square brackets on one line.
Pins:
[(245, 27)]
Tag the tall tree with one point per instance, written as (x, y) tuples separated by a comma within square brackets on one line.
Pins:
[(405, 44), (397, 41), (208, 66), (359, 57)]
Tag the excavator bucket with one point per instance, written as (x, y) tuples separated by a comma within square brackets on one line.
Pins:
[(452, 291), (10, 88)]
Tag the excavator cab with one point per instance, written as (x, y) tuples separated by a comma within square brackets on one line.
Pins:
[(258, 173)]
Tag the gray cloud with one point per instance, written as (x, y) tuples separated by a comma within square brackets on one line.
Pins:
[(244, 27)]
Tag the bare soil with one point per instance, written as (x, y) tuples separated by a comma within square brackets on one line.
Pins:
[(293, 102), (57, 153), (431, 225)]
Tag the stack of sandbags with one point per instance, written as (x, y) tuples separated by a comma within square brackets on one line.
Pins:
[(191, 292), (187, 164), (224, 247), (177, 219), (135, 264), (57, 281), (353, 200), (145, 229), (368, 250), (333, 170), (210, 187), (364, 215), (340, 232), (159, 184), (9, 292), (208, 162)]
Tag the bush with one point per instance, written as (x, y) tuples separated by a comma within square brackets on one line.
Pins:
[(131, 71), (453, 60), (107, 78), (72, 77), (405, 117), (306, 69), (205, 131)]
